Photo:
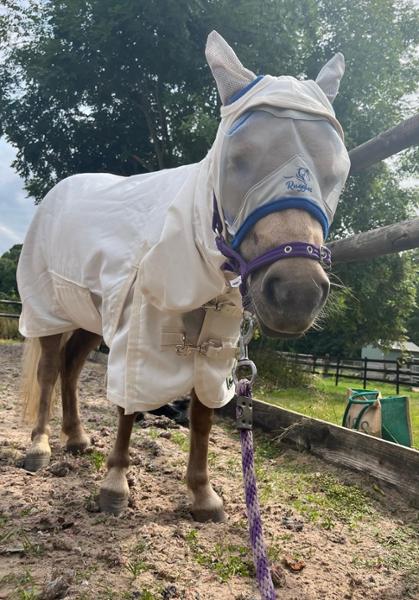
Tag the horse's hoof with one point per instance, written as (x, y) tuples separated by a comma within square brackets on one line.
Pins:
[(202, 515), (78, 443), (77, 447), (112, 502), (34, 462)]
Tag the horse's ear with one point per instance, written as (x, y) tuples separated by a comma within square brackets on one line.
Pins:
[(229, 74), (329, 77)]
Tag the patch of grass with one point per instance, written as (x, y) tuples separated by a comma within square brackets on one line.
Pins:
[(97, 459), (27, 594), (232, 464), (320, 497), (147, 595), (400, 548), (136, 567), (153, 433), (31, 548), (212, 458), (225, 560), (140, 547), (81, 575), (24, 585), (181, 440)]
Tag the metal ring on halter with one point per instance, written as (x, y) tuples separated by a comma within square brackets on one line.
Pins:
[(247, 364)]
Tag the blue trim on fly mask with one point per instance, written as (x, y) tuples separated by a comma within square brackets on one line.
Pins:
[(275, 206), (243, 91), (240, 121)]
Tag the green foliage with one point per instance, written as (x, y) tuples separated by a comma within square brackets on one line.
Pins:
[(136, 567), (278, 371), (97, 459), (375, 306), (8, 265), (123, 87), (226, 560), (181, 440)]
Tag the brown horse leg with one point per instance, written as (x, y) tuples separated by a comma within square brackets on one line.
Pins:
[(206, 505), (114, 491), (39, 453), (73, 358)]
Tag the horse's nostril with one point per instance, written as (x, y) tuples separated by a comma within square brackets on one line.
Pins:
[(278, 292), (271, 290)]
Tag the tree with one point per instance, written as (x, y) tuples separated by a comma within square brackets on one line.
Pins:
[(116, 86), (8, 264)]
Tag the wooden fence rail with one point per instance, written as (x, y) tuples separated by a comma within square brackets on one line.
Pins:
[(8, 315), (397, 372), (385, 144)]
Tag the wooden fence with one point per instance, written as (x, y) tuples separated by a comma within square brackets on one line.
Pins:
[(9, 315), (398, 372)]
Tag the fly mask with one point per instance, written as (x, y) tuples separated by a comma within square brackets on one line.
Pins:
[(278, 147)]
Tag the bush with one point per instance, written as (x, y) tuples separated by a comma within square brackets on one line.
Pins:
[(278, 371)]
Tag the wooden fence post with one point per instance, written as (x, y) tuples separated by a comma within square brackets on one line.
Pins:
[(314, 365), (337, 371), (397, 377), (326, 362), (365, 372)]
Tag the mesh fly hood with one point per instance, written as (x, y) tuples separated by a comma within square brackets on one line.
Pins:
[(279, 144)]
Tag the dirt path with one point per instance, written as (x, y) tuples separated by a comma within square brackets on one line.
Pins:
[(331, 534)]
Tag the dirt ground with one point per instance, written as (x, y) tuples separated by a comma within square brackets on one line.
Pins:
[(331, 534)]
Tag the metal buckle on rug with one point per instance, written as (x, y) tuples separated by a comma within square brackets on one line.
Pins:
[(244, 413), (185, 348)]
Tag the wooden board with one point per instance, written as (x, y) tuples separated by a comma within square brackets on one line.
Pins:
[(389, 463), (377, 242), (385, 144)]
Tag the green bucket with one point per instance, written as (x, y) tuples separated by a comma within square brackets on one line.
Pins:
[(396, 424), (395, 414)]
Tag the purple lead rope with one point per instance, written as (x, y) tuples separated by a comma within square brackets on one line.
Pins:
[(237, 264), (260, 558)]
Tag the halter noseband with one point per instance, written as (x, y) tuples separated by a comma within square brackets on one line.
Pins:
[(237, 264)]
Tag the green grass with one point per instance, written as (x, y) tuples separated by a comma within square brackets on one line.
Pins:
[(24, 586), (181, 440), (320, 497), (136, 567), (225, 560), (97, 459), (324, 400)]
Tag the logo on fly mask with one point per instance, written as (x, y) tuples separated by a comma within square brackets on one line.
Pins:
[(300, 181)]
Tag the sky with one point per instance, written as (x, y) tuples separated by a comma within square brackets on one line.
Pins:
[(16, 209)]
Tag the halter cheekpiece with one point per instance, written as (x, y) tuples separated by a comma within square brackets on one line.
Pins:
[(237, 264)]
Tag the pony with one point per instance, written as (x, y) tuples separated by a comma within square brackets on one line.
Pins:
[(158, 266)]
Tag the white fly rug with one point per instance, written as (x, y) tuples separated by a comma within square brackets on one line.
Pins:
[(79, 269), (135, 260)]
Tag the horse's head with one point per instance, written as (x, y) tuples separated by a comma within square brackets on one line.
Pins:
[(279, 165)]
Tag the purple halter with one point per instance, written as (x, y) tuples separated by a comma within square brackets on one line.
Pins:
[(237, 264)]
